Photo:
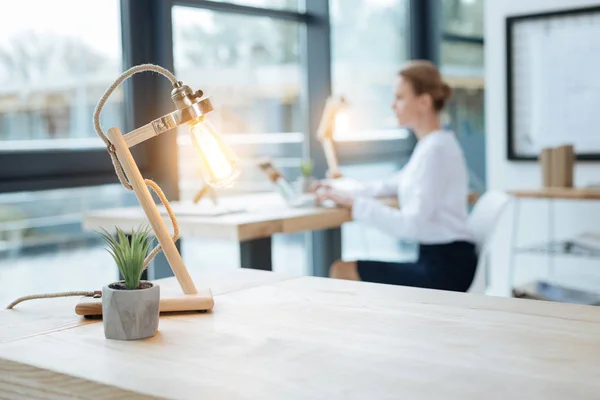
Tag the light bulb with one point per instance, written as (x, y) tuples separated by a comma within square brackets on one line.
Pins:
[(341, 124), (217, 161)]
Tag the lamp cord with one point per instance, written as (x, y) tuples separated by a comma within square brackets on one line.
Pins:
[(122, 177), (95, 293)]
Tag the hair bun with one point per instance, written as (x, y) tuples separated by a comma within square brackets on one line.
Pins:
[(446, 90)]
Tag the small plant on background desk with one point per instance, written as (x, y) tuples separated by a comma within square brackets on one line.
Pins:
[(130, 308), (306, 168), (305, 181)]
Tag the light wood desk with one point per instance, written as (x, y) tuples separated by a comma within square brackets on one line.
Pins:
[(552, 247), (37, 317), (266, 214), (315, 338), (558, 193)]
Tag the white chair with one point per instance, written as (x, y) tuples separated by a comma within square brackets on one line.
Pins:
[(482, 223)]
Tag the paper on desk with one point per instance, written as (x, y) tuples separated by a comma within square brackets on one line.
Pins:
[(589, 240), (344, 184), (201, 210)]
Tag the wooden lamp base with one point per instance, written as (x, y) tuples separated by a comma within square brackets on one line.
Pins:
[(171, 300)]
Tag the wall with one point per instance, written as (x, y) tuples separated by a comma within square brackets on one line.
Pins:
[(571, 217)]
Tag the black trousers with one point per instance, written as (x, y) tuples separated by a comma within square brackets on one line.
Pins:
[(449, 266)]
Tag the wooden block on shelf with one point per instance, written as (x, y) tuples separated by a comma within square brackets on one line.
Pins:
[(546, 166), (558, 167), (569, 164)]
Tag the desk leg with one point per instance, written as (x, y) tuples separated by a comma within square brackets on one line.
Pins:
[(550, 238), (513, 245), (159, 267), (257, 254), (326, 248)]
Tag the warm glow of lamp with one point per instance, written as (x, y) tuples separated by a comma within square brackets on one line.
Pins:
[(335, 123), (341, 126), (217, 162)]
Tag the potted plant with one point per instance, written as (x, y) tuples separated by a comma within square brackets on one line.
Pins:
[(130, 308), (305, 180)]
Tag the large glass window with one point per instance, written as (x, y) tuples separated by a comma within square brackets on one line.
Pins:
[(462, 58), (369, 45), (463, 17), (43, 247), (56, 60), (462, 63), (53, 69), (250, 67), (368, 41)]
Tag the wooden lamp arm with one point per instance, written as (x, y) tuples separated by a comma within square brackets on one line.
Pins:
[(325, 136), (331, 157)]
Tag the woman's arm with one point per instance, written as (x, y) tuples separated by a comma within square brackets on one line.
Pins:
[(406, 222), (381, 188)]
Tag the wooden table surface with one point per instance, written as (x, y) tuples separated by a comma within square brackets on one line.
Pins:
[(266, 214), (316, 338), (558, 193), (37, 317)]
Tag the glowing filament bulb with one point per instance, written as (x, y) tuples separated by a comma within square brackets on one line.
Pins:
[(218, 163), (341, 124)]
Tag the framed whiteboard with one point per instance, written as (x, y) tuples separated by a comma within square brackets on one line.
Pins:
[(553, 82)]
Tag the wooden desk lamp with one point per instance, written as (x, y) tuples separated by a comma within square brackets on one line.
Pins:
[(218, 164), (209, 191), (334, 119)]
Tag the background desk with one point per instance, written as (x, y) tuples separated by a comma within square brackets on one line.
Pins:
[(267, 214), (273, 337), (552, 247)]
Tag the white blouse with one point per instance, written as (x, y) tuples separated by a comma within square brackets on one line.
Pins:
[(432, 190)]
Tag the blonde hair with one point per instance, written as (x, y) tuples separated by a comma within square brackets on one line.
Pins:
[(425, 78)]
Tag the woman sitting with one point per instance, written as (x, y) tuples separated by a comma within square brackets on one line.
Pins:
[(432, 191)]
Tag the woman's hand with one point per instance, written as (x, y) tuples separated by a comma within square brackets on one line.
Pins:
[(319, 185), (341, 198)]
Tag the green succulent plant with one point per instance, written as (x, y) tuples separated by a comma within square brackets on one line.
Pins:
[(129, 253), (306, 168)]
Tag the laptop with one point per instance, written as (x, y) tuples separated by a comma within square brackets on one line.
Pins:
[(287, 191)]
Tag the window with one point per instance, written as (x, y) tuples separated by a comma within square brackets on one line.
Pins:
[(43, 247), (462, 62), (250, 68), (461, 57), (55, 63), (368, 41), (463, 17), (54, 70)]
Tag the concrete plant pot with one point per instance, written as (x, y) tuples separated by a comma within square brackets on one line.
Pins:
[(130, 314)]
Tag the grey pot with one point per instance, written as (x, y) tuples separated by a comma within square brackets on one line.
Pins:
[(130, 314)]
